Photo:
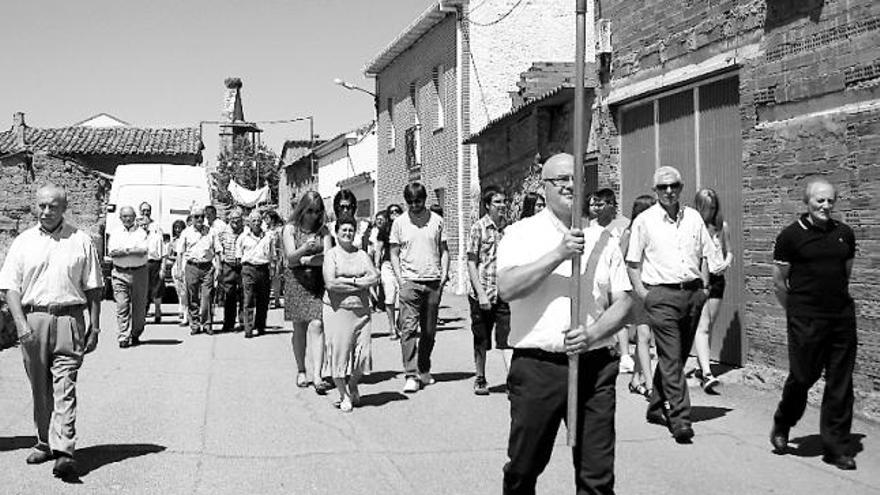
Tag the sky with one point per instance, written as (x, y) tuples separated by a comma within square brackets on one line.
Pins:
[(161, 63)]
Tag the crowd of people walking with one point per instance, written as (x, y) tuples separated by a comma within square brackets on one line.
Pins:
[(654, 278)]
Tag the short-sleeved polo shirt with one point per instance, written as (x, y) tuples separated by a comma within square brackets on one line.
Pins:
[(52, 268), (540, 319), (817, 279)]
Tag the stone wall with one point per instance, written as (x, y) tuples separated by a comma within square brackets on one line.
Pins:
[(809, 104), (21, 176)]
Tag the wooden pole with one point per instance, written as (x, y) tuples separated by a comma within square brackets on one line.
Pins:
[(576, 207)]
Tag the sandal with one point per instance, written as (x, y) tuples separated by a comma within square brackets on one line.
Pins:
[(321, 388), (648, 393), (301, 380), (638, 389)]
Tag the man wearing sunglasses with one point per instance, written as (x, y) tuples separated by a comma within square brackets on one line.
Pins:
[(667, 263)]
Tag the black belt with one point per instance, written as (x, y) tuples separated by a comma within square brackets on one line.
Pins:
[(257, 265), (695, 284), (553, 357), (127, 268), (55, 309), (199, 264)]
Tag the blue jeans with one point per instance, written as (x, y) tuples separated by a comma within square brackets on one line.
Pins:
[(419, 303)]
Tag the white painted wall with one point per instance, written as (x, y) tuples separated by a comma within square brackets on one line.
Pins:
[(344, 162)]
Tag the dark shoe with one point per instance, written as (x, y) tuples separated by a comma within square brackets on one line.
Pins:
[(195, 331), (65, 467), (124, 344), (158, 319), (209, 330), (39, 457), (480, 386), (683, 434), (248, 334), (657, 418), (842, 461), (779, 439), (321, 388), (135, 341)]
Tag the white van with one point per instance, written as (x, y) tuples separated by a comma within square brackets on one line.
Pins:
[(170, 189)]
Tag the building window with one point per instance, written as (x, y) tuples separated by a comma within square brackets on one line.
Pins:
[(439, 97), (365, 208), (413, 148), (414, 101), (391, 135)]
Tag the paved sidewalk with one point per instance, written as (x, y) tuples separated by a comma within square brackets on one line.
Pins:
[(218, 415)]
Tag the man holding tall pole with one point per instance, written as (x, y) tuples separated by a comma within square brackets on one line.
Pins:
[(534, 275)]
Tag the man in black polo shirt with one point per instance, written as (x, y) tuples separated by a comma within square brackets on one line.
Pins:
[(813, 261)]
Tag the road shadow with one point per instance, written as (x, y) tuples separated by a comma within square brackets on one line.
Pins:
[(708, 413), (501, 388), (277, 331), (161, 342), (451, 376), (15, 443), (378, 377), (98, 456), (382, 398), (811, 445)]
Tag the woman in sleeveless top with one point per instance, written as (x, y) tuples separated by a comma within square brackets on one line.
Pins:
[(349, 274), (706, 202), (643, 373), (305, 239), (382, 259)]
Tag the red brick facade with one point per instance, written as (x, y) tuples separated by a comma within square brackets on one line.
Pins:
[(809, 82)]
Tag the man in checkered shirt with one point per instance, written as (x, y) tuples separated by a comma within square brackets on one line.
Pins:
[(487, 310)]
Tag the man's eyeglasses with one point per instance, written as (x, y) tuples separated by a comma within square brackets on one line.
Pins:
[(198, 216), (562, 180), (675, 186)]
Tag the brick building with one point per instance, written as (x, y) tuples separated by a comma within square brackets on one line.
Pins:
[(446, 75), (749, 97)]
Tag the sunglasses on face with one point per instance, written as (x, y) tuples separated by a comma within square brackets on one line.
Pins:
[(198, 216), (675, 186)]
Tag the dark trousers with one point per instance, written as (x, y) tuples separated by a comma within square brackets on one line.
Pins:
[(231, 290), (199, 281), (154, 278), (483, 321), (673, 315), (538, 393), (257, 281), (419, 304), (816, 345)]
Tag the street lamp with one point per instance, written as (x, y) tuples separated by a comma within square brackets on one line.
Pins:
[(352, 87)]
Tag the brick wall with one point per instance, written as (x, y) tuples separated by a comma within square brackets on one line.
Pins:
[(439, 148), (809, 105)]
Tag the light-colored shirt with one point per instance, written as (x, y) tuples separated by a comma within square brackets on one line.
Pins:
[(541, 318), (342, 263), (616, 226), (155, 242), (56, 268), (218, 226), (198, 246), (669, 249), (256, 250), (133, 238), (419, 246)]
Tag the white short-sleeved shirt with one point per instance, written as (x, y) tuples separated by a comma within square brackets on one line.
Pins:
[(199, 246), (56, 268), (670, 250), (155, 242), (123, 238), (541, 318), (255, 250), (419, 246)]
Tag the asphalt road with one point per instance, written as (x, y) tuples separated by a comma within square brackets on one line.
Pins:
[(221, 414)]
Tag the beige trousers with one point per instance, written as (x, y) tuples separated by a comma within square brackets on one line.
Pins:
[(130, 292), (53, 353)]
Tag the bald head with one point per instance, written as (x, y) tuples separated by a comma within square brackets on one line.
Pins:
[(558, 164), (51, 205), (558, 176)]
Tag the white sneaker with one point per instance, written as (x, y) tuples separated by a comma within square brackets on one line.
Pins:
[(627, 365), (426, 379), (411, 386)]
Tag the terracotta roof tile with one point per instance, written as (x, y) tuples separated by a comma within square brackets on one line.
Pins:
[(106, 141)]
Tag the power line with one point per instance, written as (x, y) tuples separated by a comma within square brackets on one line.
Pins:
[(496, 21)]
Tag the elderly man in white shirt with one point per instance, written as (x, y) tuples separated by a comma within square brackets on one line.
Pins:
[(155, 255), (51, 276), (127, 247), (255, 248), (669, 258), (198, 245), (534, 270)]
